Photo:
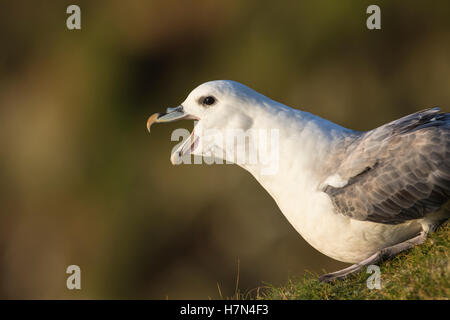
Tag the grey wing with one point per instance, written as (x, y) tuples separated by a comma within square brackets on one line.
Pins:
[(397, 172)]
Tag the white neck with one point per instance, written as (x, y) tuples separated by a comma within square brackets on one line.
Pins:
[(305, 143)]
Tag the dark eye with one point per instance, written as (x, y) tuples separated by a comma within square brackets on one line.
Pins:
[(209, 101)]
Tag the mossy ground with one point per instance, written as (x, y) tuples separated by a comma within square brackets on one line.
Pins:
[(420, 273)]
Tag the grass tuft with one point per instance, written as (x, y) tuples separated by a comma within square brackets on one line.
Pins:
[(420, 273)]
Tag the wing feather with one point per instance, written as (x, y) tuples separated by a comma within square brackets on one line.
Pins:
[(397, 172)]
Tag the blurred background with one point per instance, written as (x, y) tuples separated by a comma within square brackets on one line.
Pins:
[(82, 182)]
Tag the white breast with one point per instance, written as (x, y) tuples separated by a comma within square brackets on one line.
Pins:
[(338, 236), (304, 146)]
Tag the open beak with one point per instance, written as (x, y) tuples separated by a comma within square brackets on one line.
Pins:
[(186, 148), (172, 114)]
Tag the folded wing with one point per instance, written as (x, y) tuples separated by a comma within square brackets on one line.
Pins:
[(397, 172)]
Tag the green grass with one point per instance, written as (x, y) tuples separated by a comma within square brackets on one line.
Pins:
[(420, 273)]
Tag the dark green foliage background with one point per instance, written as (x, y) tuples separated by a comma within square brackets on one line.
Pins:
[(83, 183)]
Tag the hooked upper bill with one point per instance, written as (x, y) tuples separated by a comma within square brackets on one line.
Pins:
[(172, 114)]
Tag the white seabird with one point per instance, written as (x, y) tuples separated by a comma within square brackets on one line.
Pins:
[(357, 197)]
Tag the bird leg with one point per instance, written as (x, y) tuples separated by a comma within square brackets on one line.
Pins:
[(377, 257)]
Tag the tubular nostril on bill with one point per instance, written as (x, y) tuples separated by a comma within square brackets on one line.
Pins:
[(179, 108)]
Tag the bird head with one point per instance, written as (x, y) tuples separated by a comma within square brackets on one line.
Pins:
[(217, 107)]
